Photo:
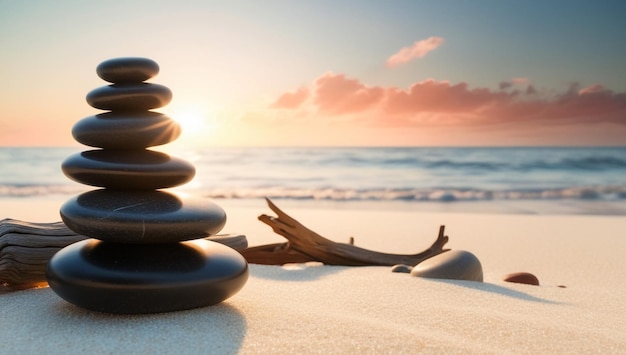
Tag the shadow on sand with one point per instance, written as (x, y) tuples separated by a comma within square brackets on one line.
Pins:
[(493, 288), (221, 327)]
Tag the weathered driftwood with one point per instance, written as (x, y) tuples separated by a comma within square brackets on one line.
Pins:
[(26, 248), (305, 245)]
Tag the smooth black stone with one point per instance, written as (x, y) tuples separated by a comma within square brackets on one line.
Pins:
[(129, 97), (402, 268), (142, 216), (122, 278), (128, 170), (127, 70), (114, 130)]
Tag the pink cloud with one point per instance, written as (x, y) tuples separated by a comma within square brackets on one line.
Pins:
[(334, 93), (291, 100), (440, 97), (418, 50), (440, 102), (591, 89)]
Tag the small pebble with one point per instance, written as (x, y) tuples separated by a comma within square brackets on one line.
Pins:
[(402, 268), (451, 265), (522, 278)]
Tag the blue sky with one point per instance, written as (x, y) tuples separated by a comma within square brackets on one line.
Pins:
[(232, 60)]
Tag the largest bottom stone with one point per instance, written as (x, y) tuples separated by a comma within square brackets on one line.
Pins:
[(125, 278)]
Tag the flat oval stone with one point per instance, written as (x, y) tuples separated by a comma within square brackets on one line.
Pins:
[(113, 130), (127, 70), (522, 278), (452, 265), (142, 216), (128, 170), (129, 97), (121, 278)]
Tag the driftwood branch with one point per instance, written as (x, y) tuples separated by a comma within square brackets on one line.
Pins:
[(305, 245)]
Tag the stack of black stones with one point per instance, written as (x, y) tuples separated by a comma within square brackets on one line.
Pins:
[(147, 251)]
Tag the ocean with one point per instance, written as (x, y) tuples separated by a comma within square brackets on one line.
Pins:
[(526, 180)]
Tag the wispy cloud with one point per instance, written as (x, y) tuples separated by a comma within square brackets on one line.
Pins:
[(417, 50), (291, 99), (595, 88)]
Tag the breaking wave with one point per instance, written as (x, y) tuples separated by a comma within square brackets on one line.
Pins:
[(417, 195)]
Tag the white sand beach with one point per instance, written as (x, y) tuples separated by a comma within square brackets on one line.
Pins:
[(327, 309)]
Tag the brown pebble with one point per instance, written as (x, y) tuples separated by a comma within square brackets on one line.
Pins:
[(522, 278), (562, 286)]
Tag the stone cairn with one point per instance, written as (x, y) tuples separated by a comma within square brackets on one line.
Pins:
[(145, 253)]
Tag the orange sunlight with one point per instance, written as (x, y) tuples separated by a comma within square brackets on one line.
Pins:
[(198, 121)]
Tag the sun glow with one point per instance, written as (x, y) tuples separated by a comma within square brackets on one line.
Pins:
[(192, 120), (197, 121)]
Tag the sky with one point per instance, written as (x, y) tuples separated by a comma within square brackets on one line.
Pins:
[(328, 73)]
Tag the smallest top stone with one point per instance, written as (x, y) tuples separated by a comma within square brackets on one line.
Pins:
[(127, 70)]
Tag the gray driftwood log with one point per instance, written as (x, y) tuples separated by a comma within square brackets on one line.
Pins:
[(26, 247)]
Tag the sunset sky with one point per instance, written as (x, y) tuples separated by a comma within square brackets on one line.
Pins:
[(336, 73)]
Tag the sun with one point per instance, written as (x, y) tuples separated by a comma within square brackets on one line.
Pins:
[(191, 120), (195, 120)]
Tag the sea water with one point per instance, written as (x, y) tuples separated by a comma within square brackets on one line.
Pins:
[(591, 179)]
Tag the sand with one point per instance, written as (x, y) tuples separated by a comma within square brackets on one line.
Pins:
[(312, 308)]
